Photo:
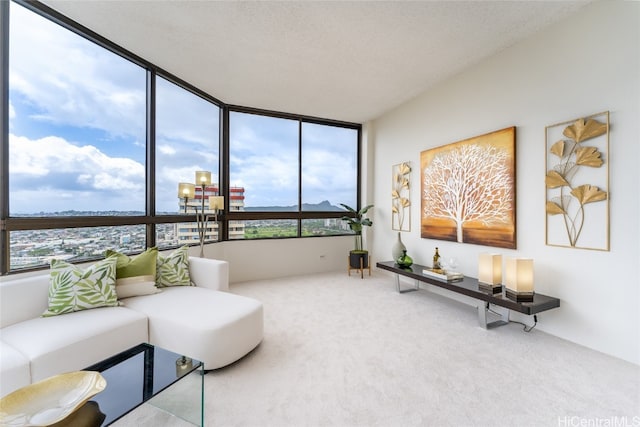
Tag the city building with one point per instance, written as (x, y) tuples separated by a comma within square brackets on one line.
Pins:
[(188, 232)]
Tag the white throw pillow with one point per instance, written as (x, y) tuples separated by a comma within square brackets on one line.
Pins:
[(135, 286)]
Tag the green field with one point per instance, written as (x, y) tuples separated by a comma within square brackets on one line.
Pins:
[(289, 229)]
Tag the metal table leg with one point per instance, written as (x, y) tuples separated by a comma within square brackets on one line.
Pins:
[(402, 291), (483, 308)]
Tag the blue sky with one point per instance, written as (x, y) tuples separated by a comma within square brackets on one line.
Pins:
[(77, 134)]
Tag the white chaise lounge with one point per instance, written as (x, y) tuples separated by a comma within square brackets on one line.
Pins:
[(203, 321)]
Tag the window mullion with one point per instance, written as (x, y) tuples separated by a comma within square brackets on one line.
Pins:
[(4, 135), (151, 156), (223, 176), (299, 178)]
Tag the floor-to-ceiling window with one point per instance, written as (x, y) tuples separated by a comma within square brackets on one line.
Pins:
[(294, 174), (186, 141), (77, 141), (329, 165), (95, 141)]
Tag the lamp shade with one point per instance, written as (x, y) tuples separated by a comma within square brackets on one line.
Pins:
[(203, 178), (216, 202), (519, 275), (490, 268), (186, 190)]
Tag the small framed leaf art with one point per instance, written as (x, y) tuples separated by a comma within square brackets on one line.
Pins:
[(577, 183), (401, 197)]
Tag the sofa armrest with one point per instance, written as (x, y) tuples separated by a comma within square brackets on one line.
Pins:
[(209, 273)]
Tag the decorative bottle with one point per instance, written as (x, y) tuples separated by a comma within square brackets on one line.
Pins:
[(436, 261), (397, 248), (404, 260)]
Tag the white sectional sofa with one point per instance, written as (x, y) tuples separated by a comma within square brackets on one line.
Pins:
[(203, 321)]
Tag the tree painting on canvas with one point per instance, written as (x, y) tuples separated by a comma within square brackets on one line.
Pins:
[(468, 190)]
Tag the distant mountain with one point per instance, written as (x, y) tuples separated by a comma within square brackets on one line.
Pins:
[(322, 206)]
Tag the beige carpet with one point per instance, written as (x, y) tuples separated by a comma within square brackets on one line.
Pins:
[(341, 351)]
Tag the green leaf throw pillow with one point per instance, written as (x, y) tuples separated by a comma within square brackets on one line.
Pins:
[(135, 276), (73, 289), (173, 269)]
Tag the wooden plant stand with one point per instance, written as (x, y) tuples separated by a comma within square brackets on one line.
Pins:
[(361, 267)]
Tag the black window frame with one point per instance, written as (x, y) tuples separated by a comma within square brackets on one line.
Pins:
[(149, 219), (298, 215)]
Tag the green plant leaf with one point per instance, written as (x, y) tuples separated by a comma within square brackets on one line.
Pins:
[(349, 208), (364, 210)]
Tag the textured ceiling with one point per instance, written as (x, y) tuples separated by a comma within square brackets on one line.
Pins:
[(348, 61)]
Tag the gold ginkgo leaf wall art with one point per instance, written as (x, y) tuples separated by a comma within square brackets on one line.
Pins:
[(577, 183), (401, 197)]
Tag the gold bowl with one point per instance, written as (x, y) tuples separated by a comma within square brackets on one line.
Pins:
[(51, 400)]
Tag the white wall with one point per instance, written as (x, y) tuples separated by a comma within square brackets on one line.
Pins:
[(267, 259), (587, 64)]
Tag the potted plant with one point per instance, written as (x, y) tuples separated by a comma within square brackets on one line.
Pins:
[(358, 257)]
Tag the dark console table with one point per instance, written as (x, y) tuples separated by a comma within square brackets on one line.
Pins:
[(469, 286)]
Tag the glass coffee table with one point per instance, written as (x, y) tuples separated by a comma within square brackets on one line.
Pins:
[(149, 374)]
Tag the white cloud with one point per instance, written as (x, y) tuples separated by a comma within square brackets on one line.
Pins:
[(182, 116), (54, 155), (71, 81), (54, 167), (166, 150), (268, 179), (109, 181), (327, 170), (12, 111), (171, 176)]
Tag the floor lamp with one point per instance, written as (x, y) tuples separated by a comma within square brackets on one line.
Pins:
[(203, 179), (216, 203)]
